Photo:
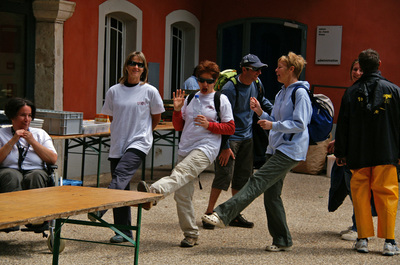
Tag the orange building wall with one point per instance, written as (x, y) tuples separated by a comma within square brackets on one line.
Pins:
[(366, 24), (80, 47)]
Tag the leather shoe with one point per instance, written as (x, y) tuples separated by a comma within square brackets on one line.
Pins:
[(239, 221)]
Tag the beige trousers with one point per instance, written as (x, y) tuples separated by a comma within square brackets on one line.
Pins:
[(181, 181)]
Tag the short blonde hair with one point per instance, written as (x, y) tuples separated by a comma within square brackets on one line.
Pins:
[(292, 59)]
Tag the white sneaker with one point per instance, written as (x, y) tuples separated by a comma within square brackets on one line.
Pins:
[(390, 249), (350, 228), (361, 245), (350, 235), (213, 219)]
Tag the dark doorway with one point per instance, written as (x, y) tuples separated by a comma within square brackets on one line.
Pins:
[(267, 38), (17, 47)]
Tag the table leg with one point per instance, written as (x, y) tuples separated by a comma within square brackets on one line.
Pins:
[(138, 226), (65, 167), (83, 159), (99, 162), (152, 161), (56, 243)]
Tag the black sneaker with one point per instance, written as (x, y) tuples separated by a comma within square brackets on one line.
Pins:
[(239, 221)]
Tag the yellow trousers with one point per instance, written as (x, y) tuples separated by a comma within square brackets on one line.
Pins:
[(382, 180)]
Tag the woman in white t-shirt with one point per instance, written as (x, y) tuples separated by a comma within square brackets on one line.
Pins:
[(198, 147), (135, 108), (23, 150)]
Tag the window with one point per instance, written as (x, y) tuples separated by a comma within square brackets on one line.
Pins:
[(120, 32), (182, 31), (114, 54), (176, 60)]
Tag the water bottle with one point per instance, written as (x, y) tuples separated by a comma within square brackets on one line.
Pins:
[(196, 108)]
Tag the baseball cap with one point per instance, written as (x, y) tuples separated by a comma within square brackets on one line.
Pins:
[(252, 60)]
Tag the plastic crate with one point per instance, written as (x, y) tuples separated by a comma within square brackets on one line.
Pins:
[(71, 182), (61, 122)]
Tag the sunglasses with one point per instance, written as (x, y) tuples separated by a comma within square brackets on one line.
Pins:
[(133, 63), (202, 80), (255, 69)]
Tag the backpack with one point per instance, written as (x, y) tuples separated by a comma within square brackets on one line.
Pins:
[(224, 77), (322, 115)]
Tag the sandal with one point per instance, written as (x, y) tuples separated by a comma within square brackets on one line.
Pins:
[(274, 248), (213, 219)]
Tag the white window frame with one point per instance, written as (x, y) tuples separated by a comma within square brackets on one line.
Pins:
[(128, 12), (181, 47), (179, 16), (121, 32)]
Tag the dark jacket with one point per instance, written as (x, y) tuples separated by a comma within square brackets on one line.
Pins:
[(368, 126)]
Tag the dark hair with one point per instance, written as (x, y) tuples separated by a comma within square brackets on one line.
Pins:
[(369, 61), (208, 67), (195, 70), (125, 73), (13, 105)]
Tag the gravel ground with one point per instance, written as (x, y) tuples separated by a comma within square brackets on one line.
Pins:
[(315, 233)]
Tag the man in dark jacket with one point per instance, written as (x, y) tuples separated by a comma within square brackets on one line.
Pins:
[(367, 140)]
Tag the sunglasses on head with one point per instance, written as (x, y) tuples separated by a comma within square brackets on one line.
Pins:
[(255, 69), (202, 80), (133, 63)]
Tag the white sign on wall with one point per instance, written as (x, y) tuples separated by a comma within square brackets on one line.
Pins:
[(329, 45)]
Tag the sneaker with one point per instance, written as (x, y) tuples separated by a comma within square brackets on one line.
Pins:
[(390, 249), (275, 248), (361, 245), (143, 187), (350, 236), (239, 221), (350, 228), (99, 214), (188, 242), (118, 239), (213, 219), (207, 225)]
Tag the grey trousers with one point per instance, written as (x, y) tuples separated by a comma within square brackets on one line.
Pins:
[(13, 180), (122, 171), (268, 180)]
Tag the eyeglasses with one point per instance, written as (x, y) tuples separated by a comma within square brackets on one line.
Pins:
[(133, 63), (255, 69), (202, 80)]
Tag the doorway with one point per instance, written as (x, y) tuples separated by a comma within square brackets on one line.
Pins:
[(268, 38), (17, 62)]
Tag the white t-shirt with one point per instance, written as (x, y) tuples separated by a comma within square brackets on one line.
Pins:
[(131, 108), (32, 160), (197, 137)]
